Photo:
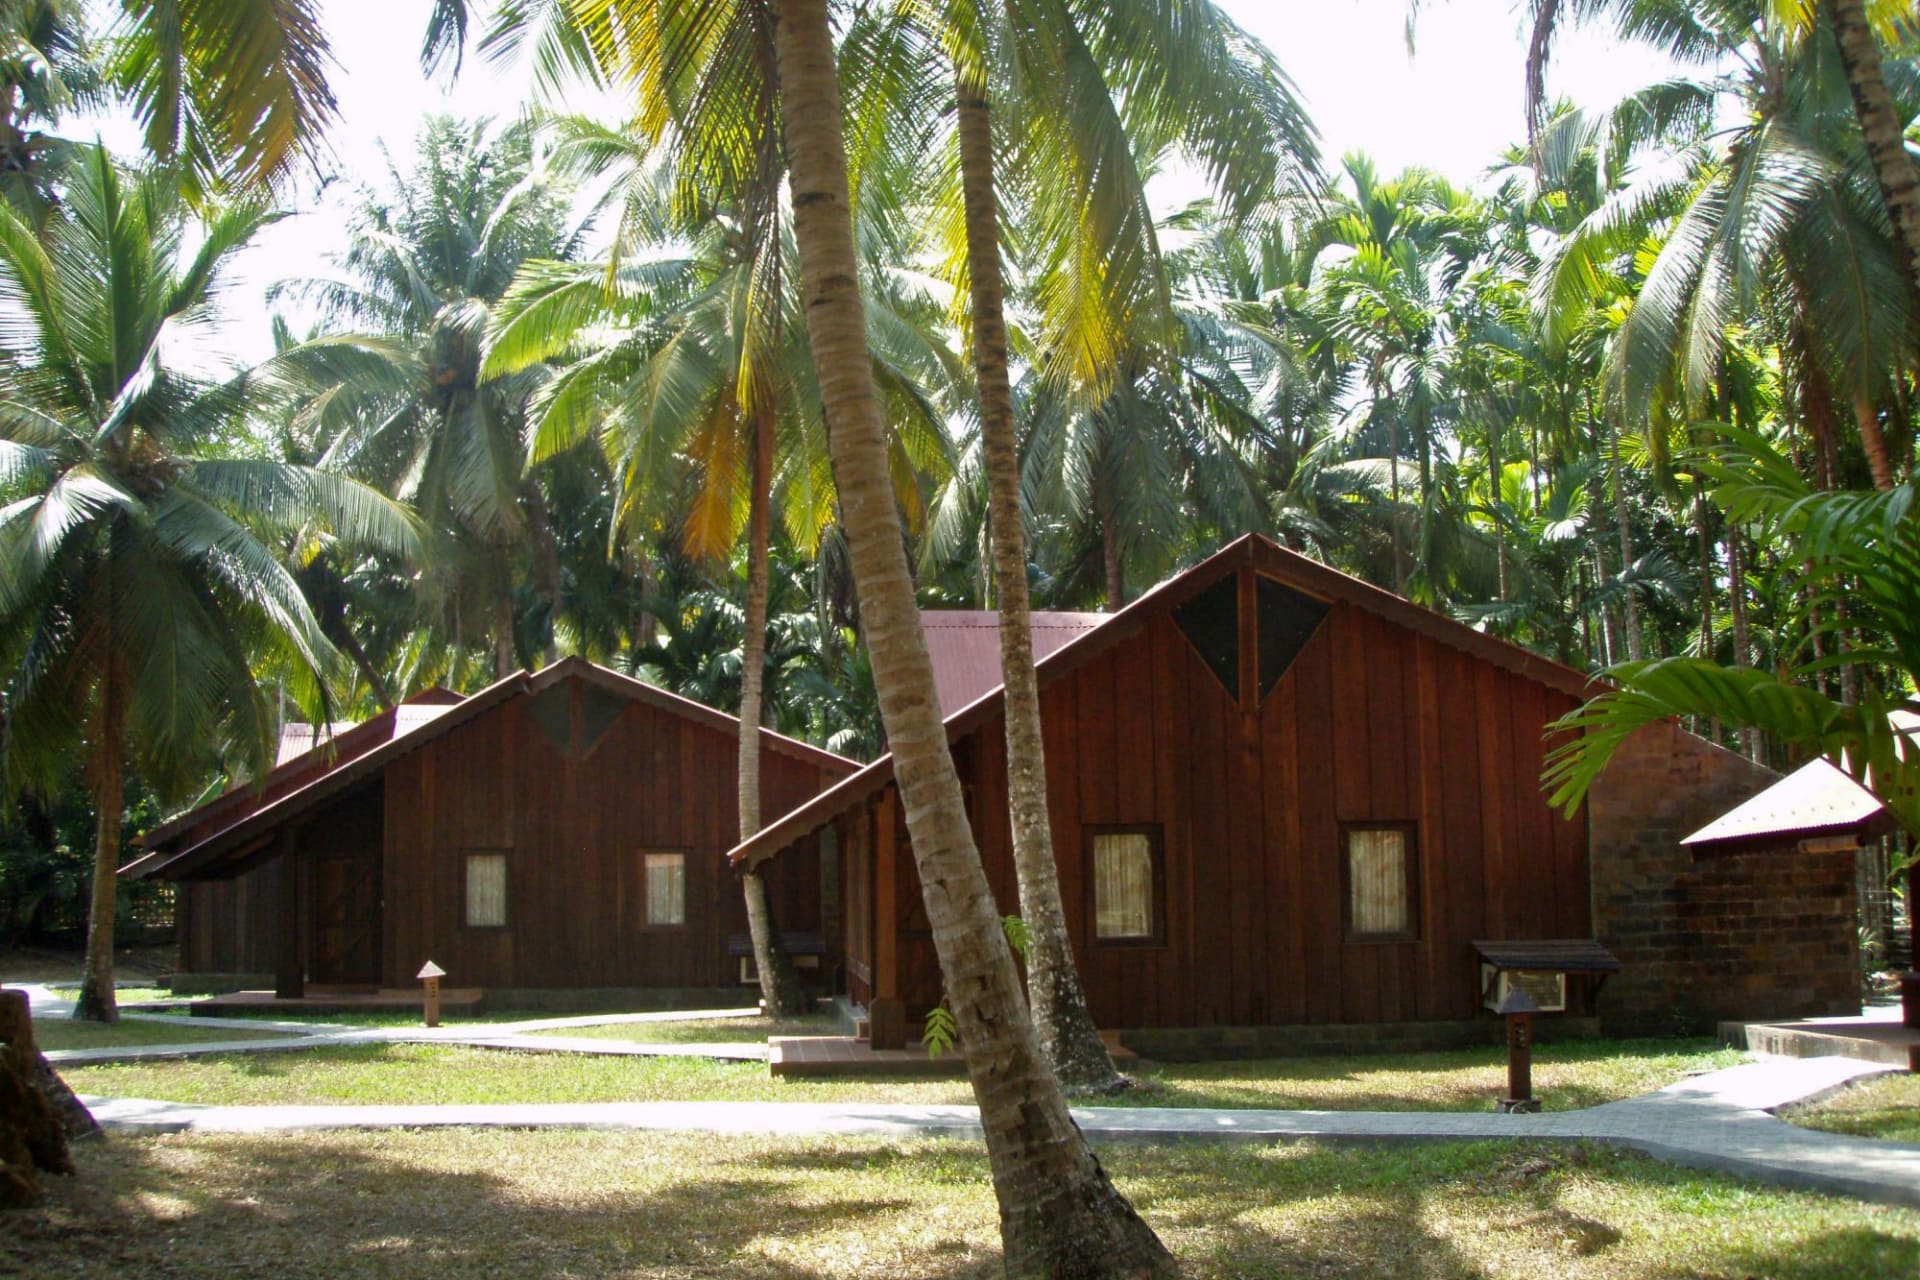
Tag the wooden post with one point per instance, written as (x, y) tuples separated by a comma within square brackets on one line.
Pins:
[(886, 1012), (1518, 1009), (290, 969), (431, 973)]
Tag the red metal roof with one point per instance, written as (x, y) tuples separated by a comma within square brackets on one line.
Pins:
[(1817, 799), (964, 645)]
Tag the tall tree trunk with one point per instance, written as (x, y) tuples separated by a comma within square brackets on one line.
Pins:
[(1112, 565), (780, 989), (1631, 611), (1059, 1214), (1060, 1015), (1873, 442), (1742, 633), (504, 661), (546, 563), (1393, 514), (96, 1000), (1881, 126), (350, 645)]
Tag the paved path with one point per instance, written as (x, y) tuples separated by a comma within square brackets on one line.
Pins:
[(484, 1035), (1717, 1121)]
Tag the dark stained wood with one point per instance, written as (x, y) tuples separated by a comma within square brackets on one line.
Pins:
[(574, 818), (290, 973), (1373, 722)]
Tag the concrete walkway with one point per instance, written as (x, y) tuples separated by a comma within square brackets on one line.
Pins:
[(1718, 1121)]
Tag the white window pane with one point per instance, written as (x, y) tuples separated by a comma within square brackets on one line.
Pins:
[(487, 889), (1377, 876), (666, 888), (1123, 885)]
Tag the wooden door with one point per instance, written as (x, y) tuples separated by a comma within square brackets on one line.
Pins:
[(346, 918)]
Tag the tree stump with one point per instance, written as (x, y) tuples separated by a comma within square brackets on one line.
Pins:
[(33, 1129)]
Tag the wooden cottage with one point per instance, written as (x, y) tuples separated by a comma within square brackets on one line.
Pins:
[(560, 829), (1282, 799)]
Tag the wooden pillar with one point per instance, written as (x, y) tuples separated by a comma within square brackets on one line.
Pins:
[(290, 969), (886, 1011)]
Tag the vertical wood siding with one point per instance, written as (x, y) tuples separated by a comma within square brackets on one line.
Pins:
[(574, 830), (1373, 723)]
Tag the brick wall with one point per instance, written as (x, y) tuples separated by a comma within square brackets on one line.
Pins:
[(1753, 936)]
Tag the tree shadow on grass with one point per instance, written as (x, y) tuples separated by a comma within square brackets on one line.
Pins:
[(466, 1204)]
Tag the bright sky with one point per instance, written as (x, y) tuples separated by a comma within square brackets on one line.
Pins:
[(1452, 106)]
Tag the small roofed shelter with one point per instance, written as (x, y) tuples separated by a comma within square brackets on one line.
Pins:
[(559, 829), (1816, 808), (1289, 810)]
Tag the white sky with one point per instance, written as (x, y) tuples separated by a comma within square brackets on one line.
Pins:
[(1452, 106)]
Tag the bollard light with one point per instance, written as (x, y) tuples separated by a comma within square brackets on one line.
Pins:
[(1518, 1009), (431, 973)]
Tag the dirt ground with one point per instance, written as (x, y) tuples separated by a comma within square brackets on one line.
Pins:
[(41, 964)]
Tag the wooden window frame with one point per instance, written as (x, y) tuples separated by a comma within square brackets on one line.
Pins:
[(1412, 832), (686, 865), (1157, 852), (506, 889)]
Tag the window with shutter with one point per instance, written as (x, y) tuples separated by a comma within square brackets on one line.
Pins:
[(666, 879), (486, 890), (1126, 883), (1380, 883)]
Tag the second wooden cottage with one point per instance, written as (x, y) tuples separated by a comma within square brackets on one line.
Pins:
[(1288, 808), (560, 829)]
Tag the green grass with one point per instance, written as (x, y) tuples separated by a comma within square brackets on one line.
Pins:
[(1883, 1106), (125, 995), (1566, 1077), (65, 1033), (424, 1205), (753, 1030)]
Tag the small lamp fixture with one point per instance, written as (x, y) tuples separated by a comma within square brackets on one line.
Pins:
[(1518, 1009), (431, 973)]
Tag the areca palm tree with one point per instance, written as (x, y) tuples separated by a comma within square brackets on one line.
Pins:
[(139, 580), (1860, 547)]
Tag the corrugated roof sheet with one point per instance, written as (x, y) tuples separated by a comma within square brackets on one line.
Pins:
[(964, 645), (1816, 799)]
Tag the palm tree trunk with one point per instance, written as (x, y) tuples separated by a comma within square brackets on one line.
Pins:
[(504, 661), (780, 989), (546, 563), (350, 645), (1881, 126), (1113, 567), (1873, 442), (1631, 611), (1742, 632), (1059, 1214), (1060, 1016), (96, 1001)]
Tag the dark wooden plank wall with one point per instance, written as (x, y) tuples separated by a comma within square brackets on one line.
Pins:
[(1371, 723), (234, 925), (574, 831)]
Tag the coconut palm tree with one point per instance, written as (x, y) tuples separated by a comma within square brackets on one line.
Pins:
[(138, 579), (427, 259), (46, 68), (1059, 1213), (233, 92), (1205, 86)]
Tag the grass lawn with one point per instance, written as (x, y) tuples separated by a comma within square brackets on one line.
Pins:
[(1566, 1077), (517, 1204), (1882, 1106), (126, 995), (65, 1033)]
